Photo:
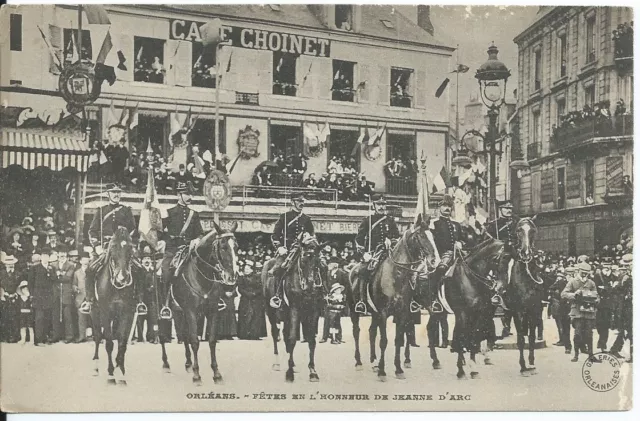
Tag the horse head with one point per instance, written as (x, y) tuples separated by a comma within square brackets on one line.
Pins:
[(308, 261), (121, 252), (526, 231), (220, 248), (420, 238)]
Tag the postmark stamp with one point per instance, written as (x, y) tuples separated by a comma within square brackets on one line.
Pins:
[(602, 373)]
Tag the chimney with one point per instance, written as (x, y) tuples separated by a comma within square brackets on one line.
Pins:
[(424, 18)]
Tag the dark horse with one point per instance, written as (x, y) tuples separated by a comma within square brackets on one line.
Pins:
[(525, 291), (468, 294), (211, 265), (392, 291), (116, 299), (305, 286)]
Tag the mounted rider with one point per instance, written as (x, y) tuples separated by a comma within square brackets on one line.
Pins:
[(373, 242), (182, 232), (103, 226), (503, 229), (448, 236), (290, 228)]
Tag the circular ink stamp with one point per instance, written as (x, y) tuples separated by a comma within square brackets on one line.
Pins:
[(603, 374)]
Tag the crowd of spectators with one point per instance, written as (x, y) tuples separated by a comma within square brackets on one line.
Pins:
[(400, 167), (623, 40), (599, 115), (342, 175), (283, 170)]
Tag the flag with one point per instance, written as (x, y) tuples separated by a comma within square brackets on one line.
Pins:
[(101, 158), (55, 57), (96, 14), (150, 215), (440, 181), (442, 87), (73, 48), (139, 54), (324, 133), (377, 135), (363, 139), (133, 118), (233, 164), (229, 62), (461, 69), (112, 118), (422, 207), (304, 79), (310, 134)]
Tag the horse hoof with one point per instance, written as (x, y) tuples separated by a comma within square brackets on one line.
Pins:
[(197, 382), (524, 373), (96, 372), (532, 371), (289, 376), (358, 367), (462, 376), (187, 368), (383, 379), (111, 381), (475, 375), (166, 369), (313, 378), (407, 364), (401, 376), (275, 367), (218, 380), (487, 361), (122, 382), (437, 365)]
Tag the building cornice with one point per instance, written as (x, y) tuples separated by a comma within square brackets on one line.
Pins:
[(551, 19)]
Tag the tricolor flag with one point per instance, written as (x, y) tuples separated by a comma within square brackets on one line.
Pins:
[(150, 215), (363, 139), (440, 181), (422, 207), (96, 14), (324, 134), (52, 52), (133, 118)]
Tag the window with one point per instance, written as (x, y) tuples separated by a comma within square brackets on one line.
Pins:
[(401, 167), (342, 89), (70, 43), (590, 95), (344, 17), (560, 109), (401, 86), (562, 46), (15, 31), (285, 142), (341, 144), (561, 189), (284, 74), (203, 74), (589, 182), (538, 70), (536, 127), (591, 39), (203, 134), (149, 60)]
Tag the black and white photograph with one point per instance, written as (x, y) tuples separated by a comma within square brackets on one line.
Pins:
[(316, 207)]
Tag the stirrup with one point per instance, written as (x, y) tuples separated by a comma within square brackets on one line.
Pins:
[(165, 313), (141, 309), (497, 300), (414, 307), (436, 307), (221, 305), (85, 307), (275, 302), (360, 307)]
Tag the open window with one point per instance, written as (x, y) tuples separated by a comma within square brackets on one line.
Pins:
[(342, 88), (401, 87), (591, 39), (151, 130), (537, 82), (203, 74), (344, 17), (149, 60), (562, 46), (70, 45), (341, 144), (284, 74), (15, 32)]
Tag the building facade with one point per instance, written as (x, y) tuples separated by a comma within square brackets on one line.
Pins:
[(575, 126), (285, 69)]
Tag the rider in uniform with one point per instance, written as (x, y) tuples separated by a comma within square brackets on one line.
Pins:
[(448, 237), (290, 227), (503, 229), (182, 228), (103, 226), (373, 240)]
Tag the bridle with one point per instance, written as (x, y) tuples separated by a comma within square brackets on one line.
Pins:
[(409, 266), (526, 260), (317, 281), (113, 271)]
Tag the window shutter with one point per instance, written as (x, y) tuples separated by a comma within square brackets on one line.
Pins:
[(420, 99), (305, 88), (383, 85), (182, 63), (265, 69), (366, 78), (125, 42), (323, 73), (55, 38)]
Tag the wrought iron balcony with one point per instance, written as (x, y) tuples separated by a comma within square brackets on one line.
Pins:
[(534, 150), (402, 186), (585, 131)]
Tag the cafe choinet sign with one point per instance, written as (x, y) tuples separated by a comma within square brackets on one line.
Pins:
[(256, 39)]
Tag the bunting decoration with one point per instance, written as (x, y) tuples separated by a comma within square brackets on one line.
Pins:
[(150, 216)]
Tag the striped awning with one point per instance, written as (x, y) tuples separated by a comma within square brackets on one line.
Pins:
[(32, 150)]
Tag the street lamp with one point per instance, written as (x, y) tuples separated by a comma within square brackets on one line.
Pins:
[(492, 77)]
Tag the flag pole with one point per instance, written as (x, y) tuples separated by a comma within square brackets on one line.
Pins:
[(457, 93), (370, 218), (79, 32)]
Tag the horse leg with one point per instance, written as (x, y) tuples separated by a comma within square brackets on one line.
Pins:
[(187, 356), (311, 324), (97, 337), (275, 334), (518, 322), (533, 324), (459, 342), (355, 322), (432, 334), (461, 374), (473, 369), (407, 355), (290, 332), (382, 322), (192, 339), (213, 340), (123, 332), (109, 347), (373, 333), (399, 343)]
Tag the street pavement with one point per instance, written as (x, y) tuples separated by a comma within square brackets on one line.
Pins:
[(59, 378)]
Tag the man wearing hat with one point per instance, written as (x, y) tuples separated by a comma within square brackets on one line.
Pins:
[(80, 292), (583, 295), (9, 281), (291, 227), (625, 320), (63, 304), (603, 280), (41, 278), (372, 241), (182, 228), (149, 298), (559, 309), (104, 224), (503, 229)]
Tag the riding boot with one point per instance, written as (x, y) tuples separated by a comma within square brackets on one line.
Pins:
[(278, 275), (434, 286), (165, 311), (360, 306)]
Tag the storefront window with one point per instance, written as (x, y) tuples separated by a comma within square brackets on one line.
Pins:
[(149, 60), (203, 74), (284, 74), (70, 40), (401, 84), (342, 89)]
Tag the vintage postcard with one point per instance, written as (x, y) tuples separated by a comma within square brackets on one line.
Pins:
[(324, 207)]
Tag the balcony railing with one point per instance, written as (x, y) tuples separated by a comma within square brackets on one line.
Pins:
[(582, 132), (402, 186), (284, 88), (345, 95), (534, 150), (247, 98), (400, 100)]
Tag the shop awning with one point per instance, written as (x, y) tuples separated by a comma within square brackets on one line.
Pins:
[(31, 150)]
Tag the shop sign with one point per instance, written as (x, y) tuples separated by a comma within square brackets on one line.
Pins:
[(321, 227), (255, 39)]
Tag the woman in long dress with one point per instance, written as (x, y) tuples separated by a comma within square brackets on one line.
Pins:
[(252, 322)]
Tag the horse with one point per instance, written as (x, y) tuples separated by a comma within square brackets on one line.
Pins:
[(468, 294), (207, 269), (525, 292), (116, 297), (305, 286), (392, 290)]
